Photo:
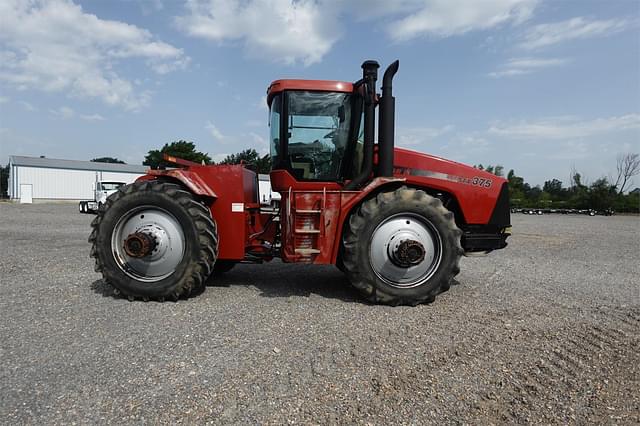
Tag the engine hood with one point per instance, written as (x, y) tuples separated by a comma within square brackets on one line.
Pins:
[(420, 164), (476, 190)]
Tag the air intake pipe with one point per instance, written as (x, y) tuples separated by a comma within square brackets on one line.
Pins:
[(386, 126), (369, 78)]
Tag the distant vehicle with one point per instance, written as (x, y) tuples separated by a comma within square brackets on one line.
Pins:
[(100, 193), (267, 196), (589, 212)]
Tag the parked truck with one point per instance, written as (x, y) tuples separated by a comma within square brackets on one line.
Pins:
[(101, 191)]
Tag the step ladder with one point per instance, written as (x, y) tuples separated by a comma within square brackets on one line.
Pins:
[(307, 223)]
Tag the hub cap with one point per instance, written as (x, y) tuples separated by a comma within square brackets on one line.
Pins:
[(148, 243), (405, 250)]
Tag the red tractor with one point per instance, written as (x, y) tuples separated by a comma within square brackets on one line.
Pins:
[(395, 221)]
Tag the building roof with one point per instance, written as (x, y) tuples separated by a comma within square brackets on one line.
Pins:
[(54, 163)]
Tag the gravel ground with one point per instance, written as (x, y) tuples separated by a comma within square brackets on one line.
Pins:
[(545, 331)]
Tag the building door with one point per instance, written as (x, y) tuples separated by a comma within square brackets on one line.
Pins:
[(26, 193)]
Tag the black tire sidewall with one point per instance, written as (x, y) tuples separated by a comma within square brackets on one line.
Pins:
[(448, 248), (131, 286)]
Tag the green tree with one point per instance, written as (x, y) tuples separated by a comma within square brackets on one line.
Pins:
[(553, 187), (181, 149), (516, 189), (251, 158), (602, 194), (497, 170), (108, 160)]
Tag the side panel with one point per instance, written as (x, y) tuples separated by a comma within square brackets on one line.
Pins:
[(231, 191)]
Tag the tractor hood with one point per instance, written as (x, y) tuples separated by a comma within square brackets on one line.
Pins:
[(415, 163), (477, 191)]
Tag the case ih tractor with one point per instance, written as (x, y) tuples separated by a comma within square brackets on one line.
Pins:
[(395, 221)]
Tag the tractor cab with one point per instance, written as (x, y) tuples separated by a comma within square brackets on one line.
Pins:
[(314, 127)]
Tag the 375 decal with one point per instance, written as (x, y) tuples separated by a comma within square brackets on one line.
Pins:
[(483, 182)]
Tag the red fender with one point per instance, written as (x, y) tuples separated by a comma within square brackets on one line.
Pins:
[(190, 179)]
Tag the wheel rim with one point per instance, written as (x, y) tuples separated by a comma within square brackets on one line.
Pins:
[(161, 257), (405, 233)]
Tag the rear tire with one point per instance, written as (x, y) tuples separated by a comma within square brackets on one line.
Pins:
[(384, 223), (184, 234)]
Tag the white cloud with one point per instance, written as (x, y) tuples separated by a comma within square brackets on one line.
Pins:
[(63, 112), (215, 132), (4, 99), (572, 29), (412, 136), (520, 66), (557, 128), (282, 30), (445, 18), (56, 47), (27, 106), (304, 31), (92, 117)]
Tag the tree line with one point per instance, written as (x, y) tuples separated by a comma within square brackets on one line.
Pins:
[(602, 194)]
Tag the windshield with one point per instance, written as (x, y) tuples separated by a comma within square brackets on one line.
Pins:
[(109, 186), (318, 127)]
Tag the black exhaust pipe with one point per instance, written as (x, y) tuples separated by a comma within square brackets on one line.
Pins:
[(369, 78), (386, 126)]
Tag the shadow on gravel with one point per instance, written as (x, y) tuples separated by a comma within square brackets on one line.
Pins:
[(290, 280), (103, 289), (106, 290), (273, 280)]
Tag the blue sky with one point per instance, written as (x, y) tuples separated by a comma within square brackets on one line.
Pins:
[(537, 86)]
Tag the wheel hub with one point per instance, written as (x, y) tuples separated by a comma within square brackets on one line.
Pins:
[(139, 244), (406, 253), (405, 250), (148, 243)]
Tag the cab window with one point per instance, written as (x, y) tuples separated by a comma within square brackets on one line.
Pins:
[(318, 131)]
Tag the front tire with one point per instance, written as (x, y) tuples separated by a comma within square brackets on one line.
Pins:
[(402, 248), (153, 240)]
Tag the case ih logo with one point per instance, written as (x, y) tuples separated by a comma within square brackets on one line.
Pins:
[(473, 181)]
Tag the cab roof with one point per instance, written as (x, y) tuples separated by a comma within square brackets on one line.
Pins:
[(312, 85)]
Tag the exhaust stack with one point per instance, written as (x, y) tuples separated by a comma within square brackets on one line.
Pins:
[(369, 78), (386, 125)]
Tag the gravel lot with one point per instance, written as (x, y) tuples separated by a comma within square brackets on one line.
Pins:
[(547, 330)]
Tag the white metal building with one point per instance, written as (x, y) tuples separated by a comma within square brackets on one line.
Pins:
[(49, 179)]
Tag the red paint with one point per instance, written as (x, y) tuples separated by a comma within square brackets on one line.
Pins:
[(476, 202), (313, 214), (312, 85), (193, 181), (233, 184)]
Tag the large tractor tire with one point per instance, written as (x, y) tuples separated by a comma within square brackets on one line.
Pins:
[(402, 248), (153, 240)]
